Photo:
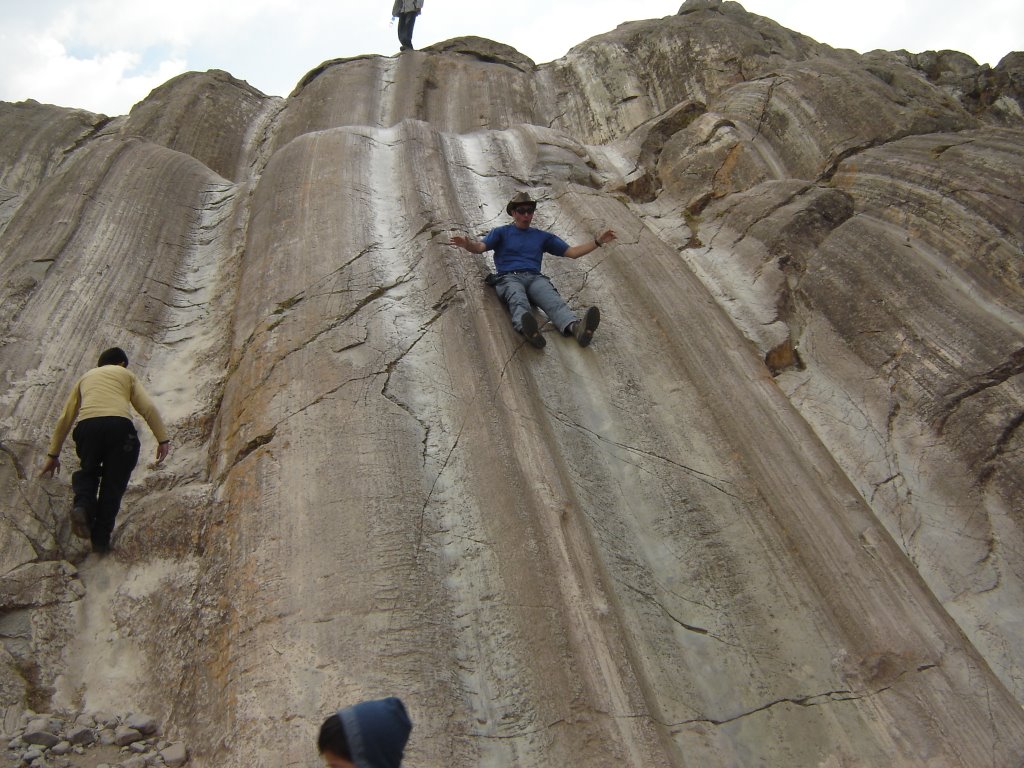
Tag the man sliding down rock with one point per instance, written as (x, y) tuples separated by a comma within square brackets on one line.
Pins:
[(106, 443), (518, 251)]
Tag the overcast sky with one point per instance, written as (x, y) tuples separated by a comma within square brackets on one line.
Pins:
[(105, 55)]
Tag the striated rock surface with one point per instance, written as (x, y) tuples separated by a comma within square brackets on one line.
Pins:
[(770, 517), (215, 118)]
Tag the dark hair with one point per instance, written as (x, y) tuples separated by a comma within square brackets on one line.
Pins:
[(113, 356), (332, 738)]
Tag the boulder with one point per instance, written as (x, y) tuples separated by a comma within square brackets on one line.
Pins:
[(81, 734), (123, 736), (106, 719), (175, 754), (143, 723), (40, 732), (106, 737)]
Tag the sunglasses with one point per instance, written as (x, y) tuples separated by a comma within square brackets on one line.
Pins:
[(524, 211)]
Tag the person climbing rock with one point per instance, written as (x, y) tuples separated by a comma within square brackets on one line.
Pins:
[(519, 249), (370, 734), (406, 11), (106, 442)]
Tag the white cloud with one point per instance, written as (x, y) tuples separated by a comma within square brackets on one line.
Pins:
[(104, 82), (105, 55), (985, 29)]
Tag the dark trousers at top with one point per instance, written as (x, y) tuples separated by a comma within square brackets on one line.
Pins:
[(108, 449), (406, 21)]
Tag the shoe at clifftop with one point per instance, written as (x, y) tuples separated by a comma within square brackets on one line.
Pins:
[(532, 332), (80, 522), (584, 329)]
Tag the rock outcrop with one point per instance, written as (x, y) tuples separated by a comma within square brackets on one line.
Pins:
[(771, 516)]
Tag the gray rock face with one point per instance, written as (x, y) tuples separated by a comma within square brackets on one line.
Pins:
[(996, 95), (37, 138), (771, 516), (213, 117)]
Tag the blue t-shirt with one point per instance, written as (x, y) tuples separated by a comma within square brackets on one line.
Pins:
[(518, 249)]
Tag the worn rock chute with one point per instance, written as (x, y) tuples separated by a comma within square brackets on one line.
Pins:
[(770, 516)]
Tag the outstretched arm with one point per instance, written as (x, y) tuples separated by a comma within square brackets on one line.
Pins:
[(473, 246), (591, 245)]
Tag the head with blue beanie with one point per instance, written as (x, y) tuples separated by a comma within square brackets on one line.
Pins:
[(370, 734)]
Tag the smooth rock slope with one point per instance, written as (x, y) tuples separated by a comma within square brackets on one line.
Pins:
[(770, 517)]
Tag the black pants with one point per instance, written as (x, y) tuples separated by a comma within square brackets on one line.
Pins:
[(108, 449), (406, 21)]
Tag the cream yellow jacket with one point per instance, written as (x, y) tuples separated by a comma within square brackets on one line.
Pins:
[(106, 391)]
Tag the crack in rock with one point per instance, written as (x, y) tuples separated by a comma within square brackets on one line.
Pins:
[(992, 378), (811, 700), (767, 101), (991, 462), (252, 445), (378, 293), (19, 470), (703, 477), (685, 625)]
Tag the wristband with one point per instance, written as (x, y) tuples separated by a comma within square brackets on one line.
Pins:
[(50, 455), (597, 242), (163, 442)]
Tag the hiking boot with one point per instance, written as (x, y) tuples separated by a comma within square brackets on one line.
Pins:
[(80, 522), (532, 332), (584, 329), (101, 547)]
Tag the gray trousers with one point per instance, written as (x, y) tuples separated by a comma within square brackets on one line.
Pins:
[(518, 289)]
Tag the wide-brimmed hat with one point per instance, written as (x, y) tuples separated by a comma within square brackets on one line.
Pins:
[(522, 198)]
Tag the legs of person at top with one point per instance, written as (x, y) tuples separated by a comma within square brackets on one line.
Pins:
[(406, 22)]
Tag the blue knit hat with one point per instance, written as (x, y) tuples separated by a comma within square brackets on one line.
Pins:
[(376, 732)]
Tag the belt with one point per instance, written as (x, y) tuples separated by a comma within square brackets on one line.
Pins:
[(518, 272)]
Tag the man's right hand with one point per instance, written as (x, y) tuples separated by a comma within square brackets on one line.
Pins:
[(473, 246)]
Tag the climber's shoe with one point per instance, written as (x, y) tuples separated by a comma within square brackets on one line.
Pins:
[(101, 546), (80, 522), (584, 329), (531, 331)]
